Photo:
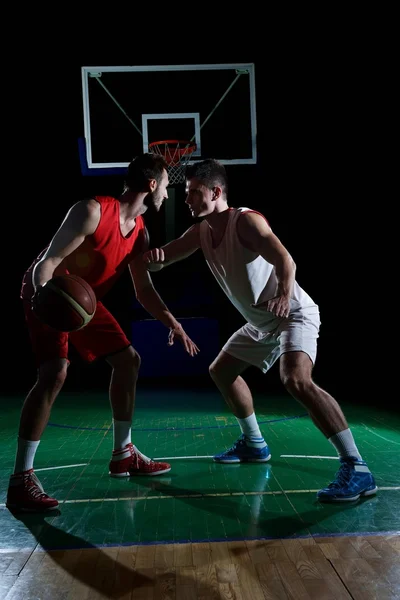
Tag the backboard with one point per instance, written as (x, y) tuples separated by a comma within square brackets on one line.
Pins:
[(125, 108)]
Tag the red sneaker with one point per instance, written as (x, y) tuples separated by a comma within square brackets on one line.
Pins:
[(128, 461), (25, 493)]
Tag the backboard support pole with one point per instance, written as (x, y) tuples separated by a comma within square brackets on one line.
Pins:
[(170, 215)]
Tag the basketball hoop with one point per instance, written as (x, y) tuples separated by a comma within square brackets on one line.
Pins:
[(177, 154)]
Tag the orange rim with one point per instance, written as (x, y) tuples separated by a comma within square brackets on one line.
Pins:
[(188, 146)]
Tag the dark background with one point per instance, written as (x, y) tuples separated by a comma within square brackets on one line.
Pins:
[(311, 142)]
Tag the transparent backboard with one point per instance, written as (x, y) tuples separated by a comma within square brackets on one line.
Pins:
[(126, 108)]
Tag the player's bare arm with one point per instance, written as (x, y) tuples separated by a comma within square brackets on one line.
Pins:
[(174, 251), (256, 235), (152, 302), (81, 220)]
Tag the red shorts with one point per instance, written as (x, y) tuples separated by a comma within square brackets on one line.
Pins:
[(101, 336)]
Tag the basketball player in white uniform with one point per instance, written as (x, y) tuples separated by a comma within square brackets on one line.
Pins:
[(257, 274)]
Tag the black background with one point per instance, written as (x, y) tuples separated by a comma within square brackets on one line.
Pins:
[(309, 182)]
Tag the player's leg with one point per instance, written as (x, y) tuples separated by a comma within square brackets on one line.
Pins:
[(36, 409), (226, 372), (296, 376), (50, 348), (242, 349), (298, 341), (104, 338)]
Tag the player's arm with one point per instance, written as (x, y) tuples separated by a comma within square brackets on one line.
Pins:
[(157, 258), (256, 235), (152, 302), (81, 220)]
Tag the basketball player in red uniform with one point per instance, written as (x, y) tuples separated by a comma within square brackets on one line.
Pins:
[(257, 274), (97, 240)]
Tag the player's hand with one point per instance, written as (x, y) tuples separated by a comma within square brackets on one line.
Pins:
[(154, 259), (180, 334), (154, 256), (278, 306)]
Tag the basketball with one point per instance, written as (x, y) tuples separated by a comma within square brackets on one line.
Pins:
[(66, 303)]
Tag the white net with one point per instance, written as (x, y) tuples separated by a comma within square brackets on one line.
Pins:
[(177, 154)]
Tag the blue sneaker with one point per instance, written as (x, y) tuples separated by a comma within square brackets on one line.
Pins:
[(352, 481), (241, 452)]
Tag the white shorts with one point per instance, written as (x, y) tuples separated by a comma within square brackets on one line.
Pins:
[(299, 333)]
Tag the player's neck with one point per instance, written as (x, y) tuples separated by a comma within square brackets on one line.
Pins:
[(131, 205), (218, 217)]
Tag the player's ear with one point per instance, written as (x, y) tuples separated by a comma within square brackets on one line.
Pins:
[(152, 185), (217, 192)]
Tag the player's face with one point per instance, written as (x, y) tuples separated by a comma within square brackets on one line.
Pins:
[(156, 198), (199, 198)]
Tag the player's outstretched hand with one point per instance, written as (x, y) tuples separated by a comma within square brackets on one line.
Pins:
[(154, 259), (180, 334), (155, 255)]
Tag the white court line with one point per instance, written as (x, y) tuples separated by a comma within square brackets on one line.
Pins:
[(61, 467), (180, 457), (200, 495), (308, 456), (380, 436)]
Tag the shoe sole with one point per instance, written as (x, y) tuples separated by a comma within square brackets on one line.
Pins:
[(117, 475), (241, 460), (150, 474), (17, 508), (351, 498)]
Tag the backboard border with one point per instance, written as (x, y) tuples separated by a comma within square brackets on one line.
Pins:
[(87, 164)]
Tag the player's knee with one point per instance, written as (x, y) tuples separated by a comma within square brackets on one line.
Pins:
[(295, 383), (52, 374), (127, 361), (214, 370), (135, 362), (219, 374)]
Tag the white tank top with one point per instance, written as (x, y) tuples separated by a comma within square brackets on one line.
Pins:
[(246, 277)]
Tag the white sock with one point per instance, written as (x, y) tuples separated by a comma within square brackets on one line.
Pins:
[(25, 455), (344, 444), (122, 433), (251, 430)]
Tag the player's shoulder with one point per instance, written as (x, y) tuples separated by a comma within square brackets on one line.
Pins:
[(85, 207), (103, 200), (83, 216), (248, 217)]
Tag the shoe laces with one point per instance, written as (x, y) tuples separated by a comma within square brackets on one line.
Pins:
[(343, 476), (139, 456), (238, 444), (33, 486)]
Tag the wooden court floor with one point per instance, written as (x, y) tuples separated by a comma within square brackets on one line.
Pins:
[(203, 530)]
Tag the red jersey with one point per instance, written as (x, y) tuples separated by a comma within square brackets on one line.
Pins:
[(103, 256)]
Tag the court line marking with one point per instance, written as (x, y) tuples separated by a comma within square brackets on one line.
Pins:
[(281, 456), (200, 495), (380, 436), (308, 456), (61, 467), (181, 457)]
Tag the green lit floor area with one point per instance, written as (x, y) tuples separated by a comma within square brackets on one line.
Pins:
[(198, 500)]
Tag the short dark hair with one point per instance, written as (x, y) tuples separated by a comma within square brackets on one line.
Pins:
[(142, 168), (210, 172)]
